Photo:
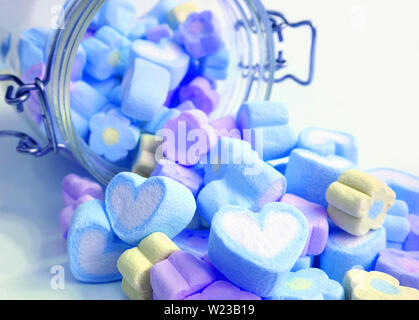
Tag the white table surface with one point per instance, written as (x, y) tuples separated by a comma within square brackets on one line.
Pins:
[(366, 83)]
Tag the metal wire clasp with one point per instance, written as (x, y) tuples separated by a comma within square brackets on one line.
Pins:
[(16, 97), (279, 23)]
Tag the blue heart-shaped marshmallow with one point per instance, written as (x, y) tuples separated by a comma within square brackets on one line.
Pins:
[(257, 250)]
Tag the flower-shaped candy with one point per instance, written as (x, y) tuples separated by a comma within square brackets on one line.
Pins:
[(402, 265), (112, 135), (374, 285), (200, 35), (358, 202), (309, 284)]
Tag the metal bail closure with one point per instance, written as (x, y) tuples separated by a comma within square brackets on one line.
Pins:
[(16, 97), (279, 23)]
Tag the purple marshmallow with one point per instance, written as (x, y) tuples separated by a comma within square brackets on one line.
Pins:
[(226, 127), (223, 290), (317, 222), (74, 187), (200, 34), (186, 176), (159, 32), (412, 241), (180, 276), (190, 137), (65, 215), (186, 106), (201, 93), (404, 266)]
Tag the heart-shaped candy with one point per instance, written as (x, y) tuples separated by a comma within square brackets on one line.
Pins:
[(93, 249), (138, 207), (256, 250)]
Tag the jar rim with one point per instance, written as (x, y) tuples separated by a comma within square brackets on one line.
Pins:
[(77, 17)]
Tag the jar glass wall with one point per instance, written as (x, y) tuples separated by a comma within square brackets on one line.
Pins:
[(246, 31)]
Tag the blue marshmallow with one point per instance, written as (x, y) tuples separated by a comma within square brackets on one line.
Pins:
[(397, 228), (118, 14), (31, 48), (405, 185), (166, 54), (256, 251), (92, 247), (303, 263), (160, 118), (141, 25), (280, 164), (328, 142), (101, 61), (309, 284), (81, 124), (227, 151), (215, 66), (193, 241), (267, 124), (262, 114), (104, 87), (309, 174), (138, 207), (278, 141), (144, 89), (79, 64), (399, 208), (249, 184), (343, 251), (160, 10), (112, 37), (114, 95), (394, 245), (85, 100)]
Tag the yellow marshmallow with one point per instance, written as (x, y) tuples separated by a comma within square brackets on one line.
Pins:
[(358, 202), (374, 285), (135, 264), (146, 161), (179, 14)]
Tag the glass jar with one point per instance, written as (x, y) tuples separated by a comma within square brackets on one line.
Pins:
[(248, 31)]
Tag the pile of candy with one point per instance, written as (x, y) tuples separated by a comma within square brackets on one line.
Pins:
[(235, 227), (132, 75), (250, 210)]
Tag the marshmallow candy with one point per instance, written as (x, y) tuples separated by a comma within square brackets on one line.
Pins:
[(358, 202), (267, 123), (138, 207), (256, 251), (412, 241), (147, 158), (309, 174), (374, 285), (404, 266), (343, 251), (328, 142), (167, 55), (144, 89), (223, 290), (92, 247), (179, 276), (309, 284), (317, 223), (250, 184), (184, 175), (405, 185), (74, 187), (135, 264)]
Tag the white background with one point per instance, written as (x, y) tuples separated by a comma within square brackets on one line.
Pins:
[(366, 83)]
